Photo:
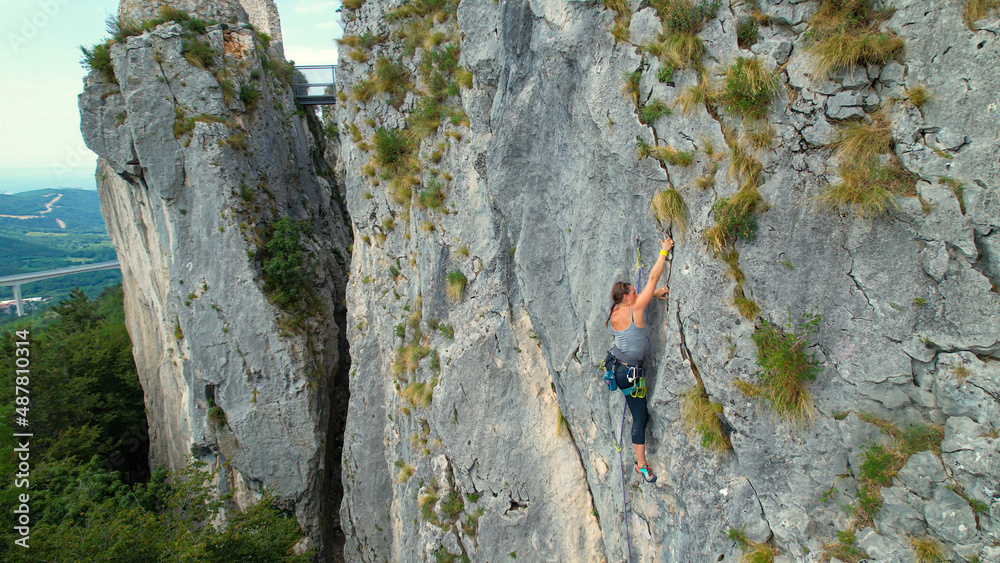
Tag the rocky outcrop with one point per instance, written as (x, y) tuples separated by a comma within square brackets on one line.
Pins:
[(204, 160), (262, 14), (544, 196)]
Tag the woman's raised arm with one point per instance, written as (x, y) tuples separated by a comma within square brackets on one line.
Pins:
[(642, 300)]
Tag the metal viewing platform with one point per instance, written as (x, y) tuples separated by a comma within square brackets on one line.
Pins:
[(18, 279), (316, 85)]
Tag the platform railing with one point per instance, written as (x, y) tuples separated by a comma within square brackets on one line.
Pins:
[(315, 84)]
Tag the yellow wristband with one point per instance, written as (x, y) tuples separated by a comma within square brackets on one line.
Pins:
[(663, 252)]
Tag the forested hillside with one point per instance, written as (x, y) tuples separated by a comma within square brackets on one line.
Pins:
[(91, 493)]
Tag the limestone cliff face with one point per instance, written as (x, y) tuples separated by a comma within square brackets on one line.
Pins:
[(202, 155), (543, 196)]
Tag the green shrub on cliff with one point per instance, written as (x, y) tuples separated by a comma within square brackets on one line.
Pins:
[(753, 552), (123, 28), (733, 219), (284, 261), (749, 88), (197, 53), (786, 367), (396, 161), (99, 59), (883, 461)]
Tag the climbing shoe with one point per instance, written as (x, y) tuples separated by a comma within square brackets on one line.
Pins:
[(647, 473)]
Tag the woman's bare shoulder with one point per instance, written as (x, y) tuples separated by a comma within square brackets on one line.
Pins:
[(619, 322)]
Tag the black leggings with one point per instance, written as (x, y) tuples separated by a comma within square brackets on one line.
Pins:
[(635, 404)]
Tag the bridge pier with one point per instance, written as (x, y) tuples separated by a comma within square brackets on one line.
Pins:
[(20, 302), (16, 280)]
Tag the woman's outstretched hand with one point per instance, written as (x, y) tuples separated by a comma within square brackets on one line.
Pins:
[(661, 292), (666, 244)]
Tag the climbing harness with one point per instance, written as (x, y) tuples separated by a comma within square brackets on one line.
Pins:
[(635, 373)]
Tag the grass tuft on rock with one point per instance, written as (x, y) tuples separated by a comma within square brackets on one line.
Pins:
[(198, 53), (562, 425), (976, 10), (704, 94), (405, 471), (668, 208), (759, 137), (701, 418), (862, 141), (753, 552), (679, 46), (677, 51), (666, 154), (631, 86), (426, 504), (744, 168), (456, 285), (419, 393), (649, 113), (433, 197), (883, 461), (869, 188), (747, 308), (927, 550), (918, 96), (845, 33), (623, 16), (845, 548), (408, 357), (394, 156)]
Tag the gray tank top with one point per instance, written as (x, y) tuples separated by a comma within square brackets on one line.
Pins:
[(633, 339)]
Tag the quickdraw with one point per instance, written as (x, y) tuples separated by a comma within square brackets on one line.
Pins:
[(638, 383)]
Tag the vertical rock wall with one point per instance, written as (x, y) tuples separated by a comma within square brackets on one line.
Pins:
[(201, 156), (544, 196)]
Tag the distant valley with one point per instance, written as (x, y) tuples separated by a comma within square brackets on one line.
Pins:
[(54, 228)]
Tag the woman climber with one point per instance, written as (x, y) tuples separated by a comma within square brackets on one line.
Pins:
[(631, 347)]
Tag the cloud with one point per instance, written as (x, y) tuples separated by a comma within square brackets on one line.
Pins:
[(315, 6), (311, 55)]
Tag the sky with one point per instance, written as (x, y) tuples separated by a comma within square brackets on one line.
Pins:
[(40, 78)]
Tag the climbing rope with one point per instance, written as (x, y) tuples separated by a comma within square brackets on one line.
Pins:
[(621, 465)]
